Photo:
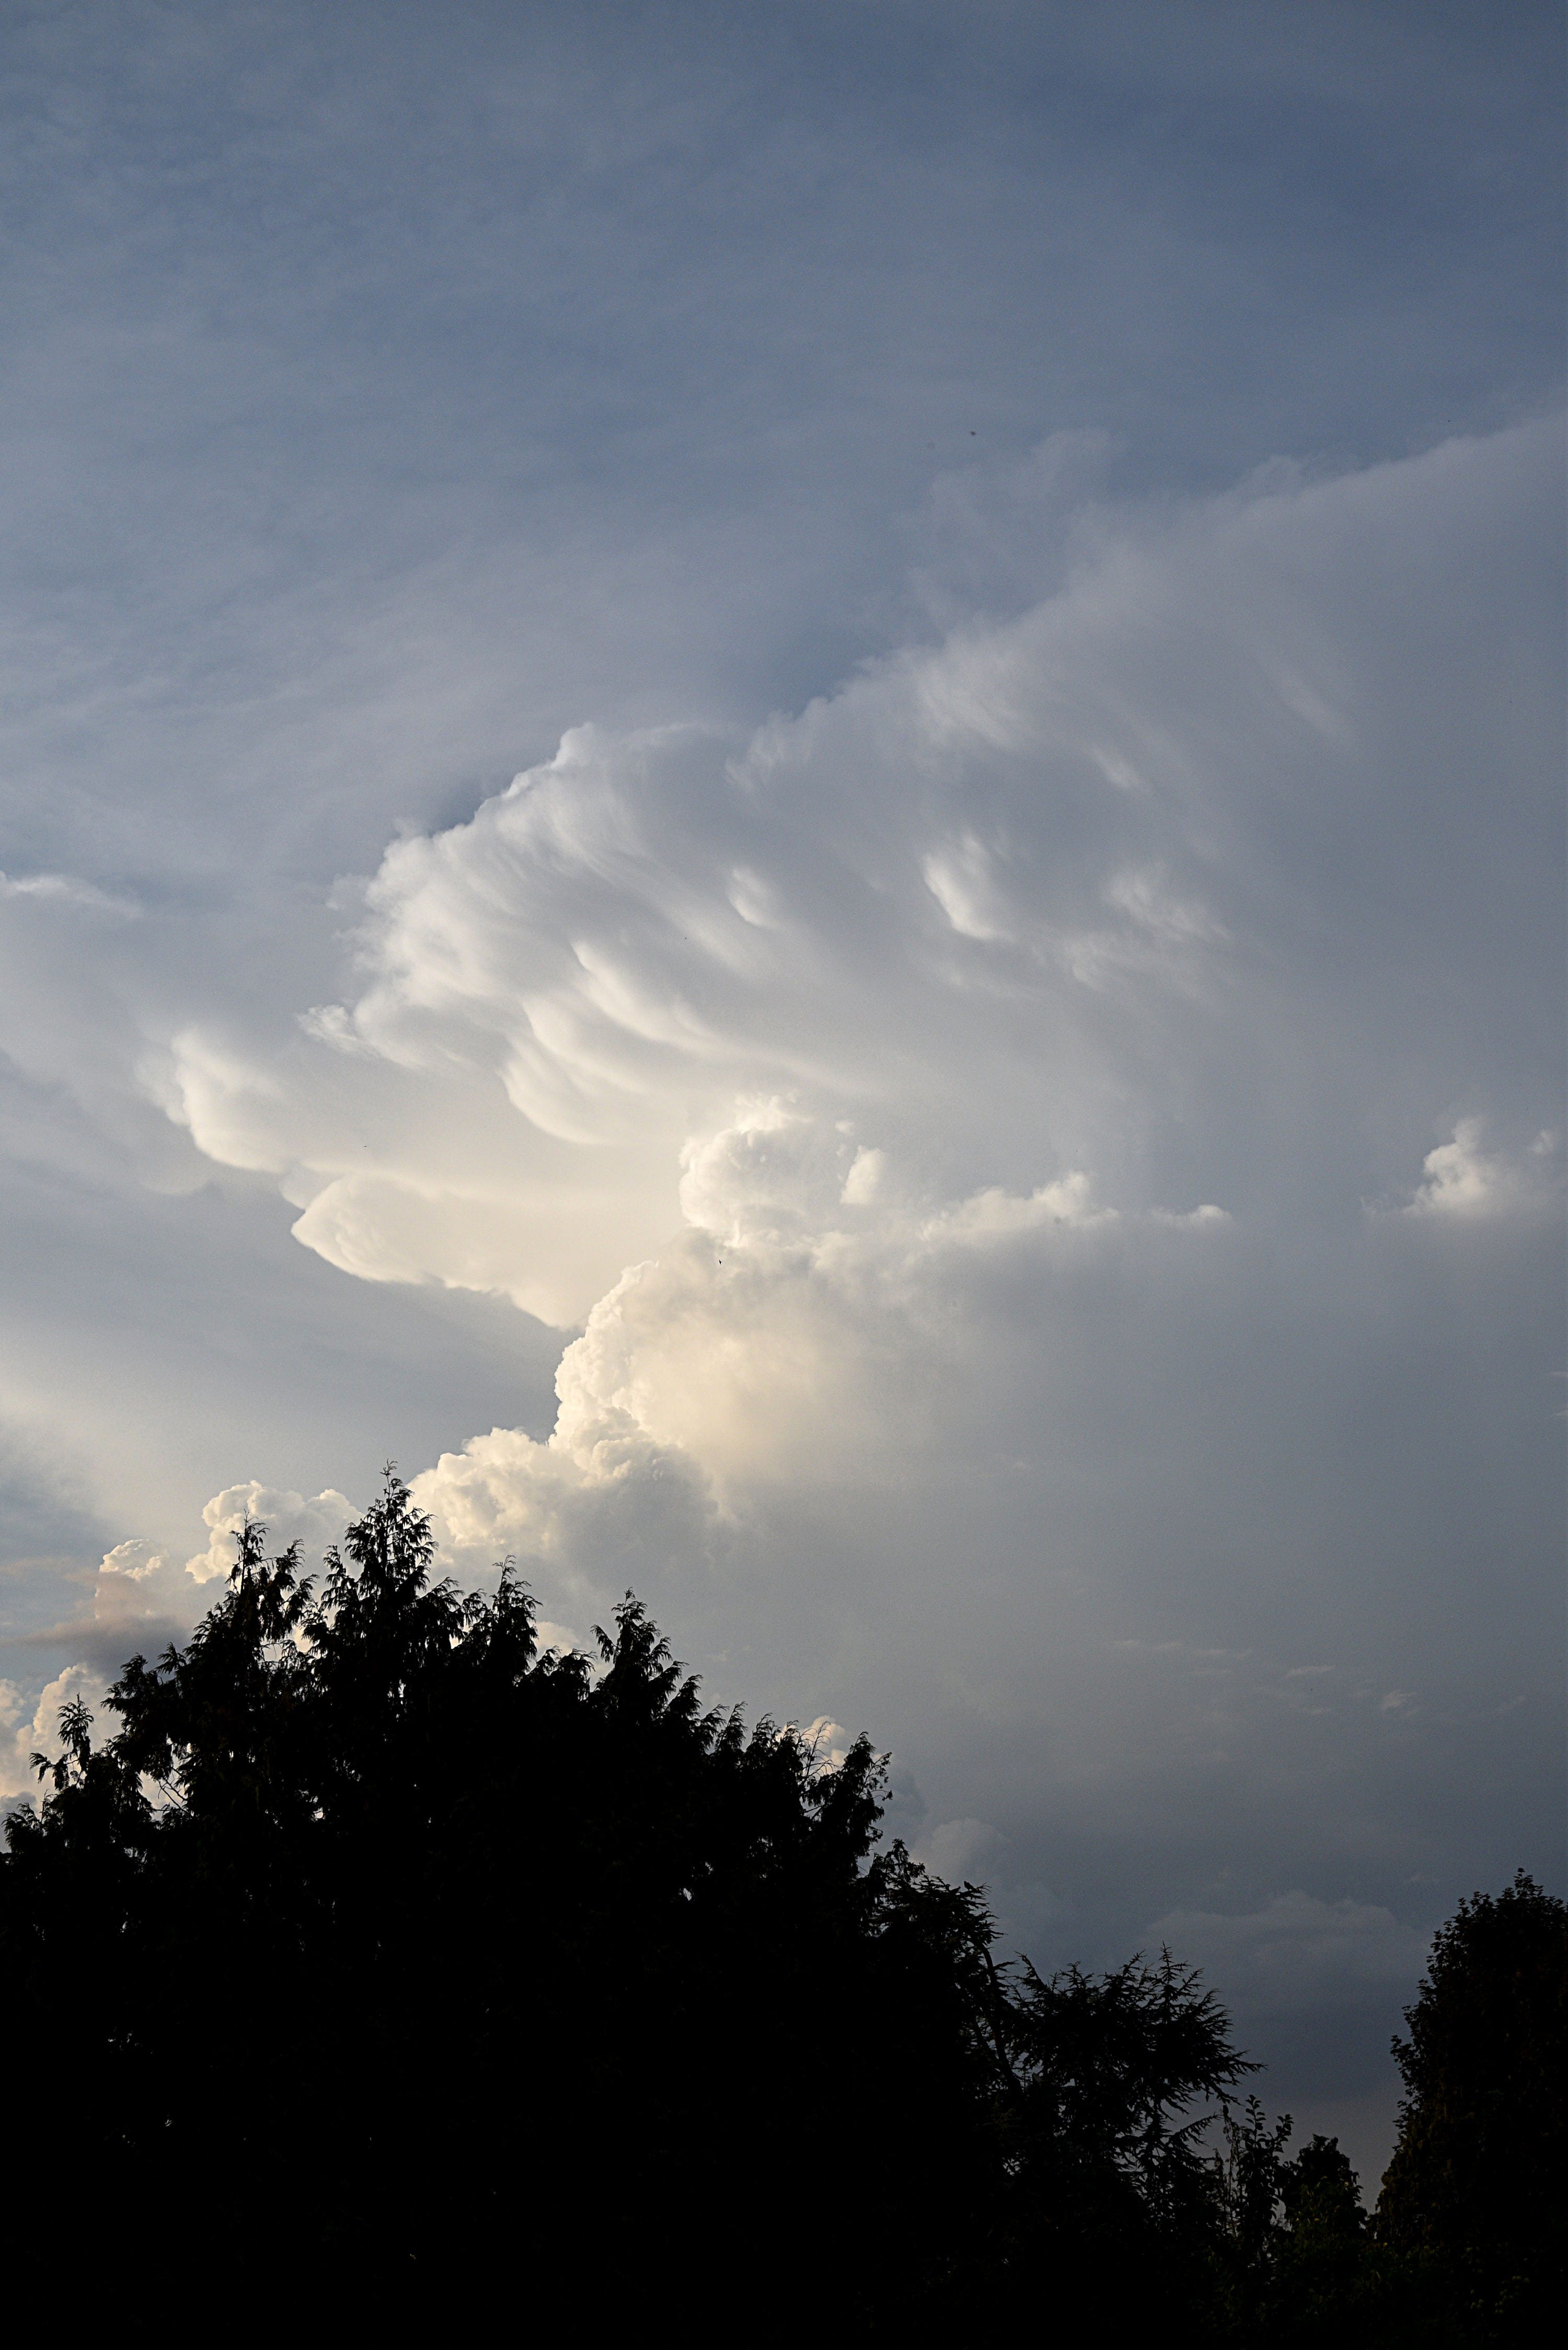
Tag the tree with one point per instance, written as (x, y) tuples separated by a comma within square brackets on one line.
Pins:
[(1478, 2188), (380, 1943)]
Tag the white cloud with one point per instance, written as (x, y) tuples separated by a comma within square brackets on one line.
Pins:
[(966, 1283), (1465, 1181), (864, 1179), (142, 1592), (788, 1341), (1215, 882), (29, 1728), (929, 918), (994, 1214), (315, 1523), (142, 1597), (947, 1113), (827, 1742)]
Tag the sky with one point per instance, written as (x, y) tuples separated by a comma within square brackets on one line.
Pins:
[(784, 785)]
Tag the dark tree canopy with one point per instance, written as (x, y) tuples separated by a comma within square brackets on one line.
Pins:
[(382, 1958), (1479, 2182)]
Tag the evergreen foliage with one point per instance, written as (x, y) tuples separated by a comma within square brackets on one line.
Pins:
[(385, 1953)]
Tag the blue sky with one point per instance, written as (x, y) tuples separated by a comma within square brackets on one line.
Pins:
[(1041, 530)]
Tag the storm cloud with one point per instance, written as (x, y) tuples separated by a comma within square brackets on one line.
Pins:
[(983, 1119)]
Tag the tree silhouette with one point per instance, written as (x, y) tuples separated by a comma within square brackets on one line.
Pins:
[(1478, 2188), (382, 1958)]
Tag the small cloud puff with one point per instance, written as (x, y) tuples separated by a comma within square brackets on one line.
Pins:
[(1467, 1183), (994, 1214), (827, 1742)]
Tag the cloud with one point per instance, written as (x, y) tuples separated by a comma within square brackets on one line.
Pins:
[(978, 1334), (792, 1342), (67, 891), (674, 1035), (1017, 911), (1297, 1952), (1470, 1184), (961, 881), (946, 1114), (955, 1299), (32, 1726), (316, 1524), (964, 1851), (141, 1600), (827, 1742), (142, 1597)]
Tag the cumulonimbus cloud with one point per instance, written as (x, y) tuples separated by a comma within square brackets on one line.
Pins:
[(1170, 916), (1029, 1147), (982, 1124), (1052, 898)]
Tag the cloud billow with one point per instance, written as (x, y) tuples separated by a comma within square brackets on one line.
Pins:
[(1183, 882), (918, 1084)]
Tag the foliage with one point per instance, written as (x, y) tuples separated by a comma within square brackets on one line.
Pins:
[(1477, 2192), (1466, 2247), (380, 1948)]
